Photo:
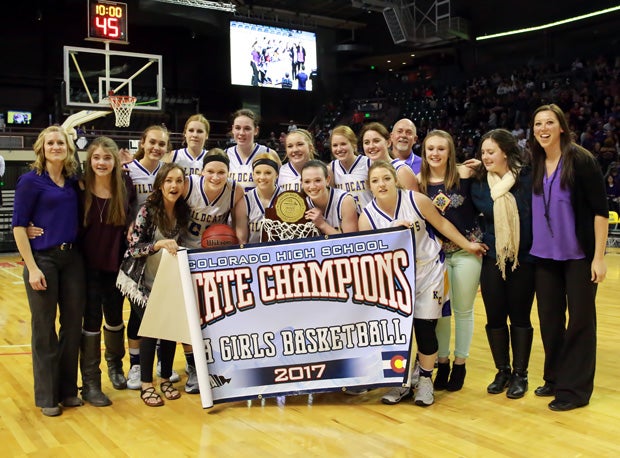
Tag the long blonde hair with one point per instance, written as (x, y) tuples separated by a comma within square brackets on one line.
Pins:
[(70, 166), (116, 210), (451, 179)]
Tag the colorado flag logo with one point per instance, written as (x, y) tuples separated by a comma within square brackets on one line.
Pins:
[(394, 363)]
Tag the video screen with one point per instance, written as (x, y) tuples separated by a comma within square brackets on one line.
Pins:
[(275, 57), (19, 117)]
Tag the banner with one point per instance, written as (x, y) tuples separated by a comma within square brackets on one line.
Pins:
[(290, 317), (305, 316)]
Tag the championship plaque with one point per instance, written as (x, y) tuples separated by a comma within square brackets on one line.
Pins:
[(286, 220)]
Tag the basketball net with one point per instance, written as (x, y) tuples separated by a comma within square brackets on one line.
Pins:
[(279, 230), (122, 106)]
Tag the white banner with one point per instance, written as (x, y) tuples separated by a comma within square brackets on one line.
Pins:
[(305, 316)]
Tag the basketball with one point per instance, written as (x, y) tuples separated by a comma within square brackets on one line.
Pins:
[(218, 235)]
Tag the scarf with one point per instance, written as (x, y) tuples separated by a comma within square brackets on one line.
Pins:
[(506, 220)]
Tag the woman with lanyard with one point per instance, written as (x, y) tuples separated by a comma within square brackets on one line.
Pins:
[(195, 133), (299, 150), (393, 206), (503, 195), (154, 146), (349, 170), (160, 225), (47, 197), (570, 224), (332, 211), (448, 186), (250, 211), (376, 143), (211, 198), (241, 156)]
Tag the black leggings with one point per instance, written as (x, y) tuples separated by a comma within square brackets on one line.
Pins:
[(511, 298), (102, 299), (425, 336)]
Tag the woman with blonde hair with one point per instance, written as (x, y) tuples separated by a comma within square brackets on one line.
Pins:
[(195, 135), (47, 197), (299, 150)]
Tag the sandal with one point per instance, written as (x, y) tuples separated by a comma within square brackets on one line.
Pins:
[(169, 391), (150, 397)]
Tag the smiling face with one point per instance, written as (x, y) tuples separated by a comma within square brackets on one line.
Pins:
[(155, 144), (436, 152), (382, 182), (547, 130), (173, 186), (493, 158), (102, 162), (297, 150), (314, 182), (216, 175), (403, 137), (265, 177), (196, 135), (244, 131), (55, 147), (376, 146), (342, 149)]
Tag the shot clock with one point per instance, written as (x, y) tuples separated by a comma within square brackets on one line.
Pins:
[(107, 21)]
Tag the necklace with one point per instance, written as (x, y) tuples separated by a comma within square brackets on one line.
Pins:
[(101, 209), (547, 201)]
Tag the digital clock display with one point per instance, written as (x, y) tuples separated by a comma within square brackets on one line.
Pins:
[(107, 21)]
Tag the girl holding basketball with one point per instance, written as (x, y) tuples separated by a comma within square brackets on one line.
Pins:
[(211, 197), (332, 211), (241, 156), (160, 225), (195, 133), (349, 171), (393, 206), (376, 143), (299, 150), (250, 211)]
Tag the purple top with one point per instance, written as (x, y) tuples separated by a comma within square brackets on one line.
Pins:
[(554, 237), (41, 201), (415, 162)]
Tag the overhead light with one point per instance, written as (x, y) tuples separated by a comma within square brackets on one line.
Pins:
[(549, 25), (218, 6)]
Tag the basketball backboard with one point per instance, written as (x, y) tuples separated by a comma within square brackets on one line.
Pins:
[(90, 74)]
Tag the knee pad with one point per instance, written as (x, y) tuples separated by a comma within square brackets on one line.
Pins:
[(425, 336)]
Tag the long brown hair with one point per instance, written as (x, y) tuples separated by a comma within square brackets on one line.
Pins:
[(570, 152), (116, 210), (451, 179), (70, 165), (155, 202), (140, 153), (508, 145)]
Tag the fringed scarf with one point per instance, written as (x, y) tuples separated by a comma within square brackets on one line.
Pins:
[(506, 220)]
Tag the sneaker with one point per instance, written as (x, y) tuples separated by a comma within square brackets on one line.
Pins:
[(191, 386), (415, 375), (134, 381), (174, 377), (397, 394), (356, 391), (424, 395)]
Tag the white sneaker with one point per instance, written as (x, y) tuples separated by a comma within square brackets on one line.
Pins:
[(415, 375), (133, 378), (174, 377), (191, 386), (424, 395), (396, 394)]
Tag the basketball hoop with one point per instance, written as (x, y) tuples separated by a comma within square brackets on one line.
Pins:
[(122, 106)]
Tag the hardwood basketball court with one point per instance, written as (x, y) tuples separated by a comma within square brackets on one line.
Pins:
[(468, 423)]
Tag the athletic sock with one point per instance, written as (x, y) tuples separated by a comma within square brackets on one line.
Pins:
[(134, 357), (425, 372), (189, 358)]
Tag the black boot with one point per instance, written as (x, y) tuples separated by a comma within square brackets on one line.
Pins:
[(499, 343), (457, 377), (90, 358), (521, 339), (114, 353), (441, 379)]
